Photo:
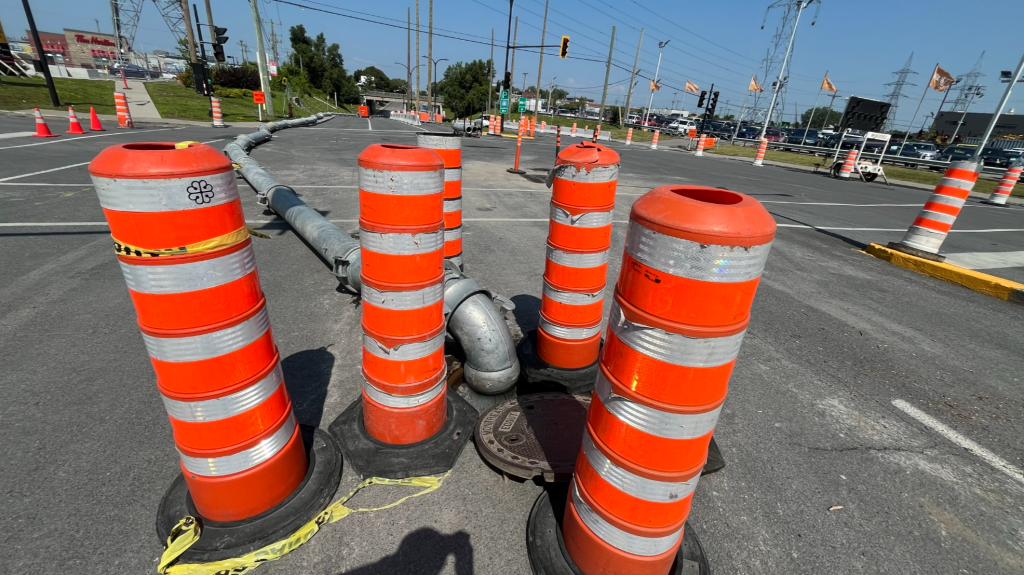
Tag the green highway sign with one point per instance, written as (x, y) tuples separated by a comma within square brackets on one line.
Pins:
[(504, 102), (522, 105)]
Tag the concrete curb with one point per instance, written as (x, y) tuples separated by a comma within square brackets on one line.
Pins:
[(989, 285)]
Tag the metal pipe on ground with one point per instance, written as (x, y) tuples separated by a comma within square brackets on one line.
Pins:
[(476, 317)]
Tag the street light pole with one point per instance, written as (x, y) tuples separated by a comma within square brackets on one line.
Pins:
[(800, 5), (433, 93), (508, 41), (999, 109), (654, 84), (408, 74)]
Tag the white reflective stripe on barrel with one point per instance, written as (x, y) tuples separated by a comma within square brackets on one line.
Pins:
[(622, 540), (439, 141), (190, 276), (577, 260), (453, 174), (166, 195), (401, 244), (229, 405), (632, 484), (452, 234), (208, 345), (401, 182), (674, 348), (402, 300), (654, 421), (946, 200), (563, 332), (589, 175), (937, 216), (406, 351), (243, 460), (692, 260), (456, 259), (453, 205), (571, 297), (413, 400), (955, 183), (584, 220)]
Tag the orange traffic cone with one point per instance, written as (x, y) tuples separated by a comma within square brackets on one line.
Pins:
[(42, 130), (94, 121), (76, 126)]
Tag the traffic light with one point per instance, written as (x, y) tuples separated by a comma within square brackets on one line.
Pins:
[(219, 39), (508, 81), (563, 52), (702, 99), (712, 103)]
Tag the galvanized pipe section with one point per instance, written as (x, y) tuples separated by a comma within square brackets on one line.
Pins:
[(476, 317)]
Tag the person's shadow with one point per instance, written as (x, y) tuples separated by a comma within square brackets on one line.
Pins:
[(307, 375), (424, 552)]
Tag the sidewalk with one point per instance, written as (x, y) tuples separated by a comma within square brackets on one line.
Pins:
[(139, 103)]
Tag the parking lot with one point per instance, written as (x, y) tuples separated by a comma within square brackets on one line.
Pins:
[(831, 467)]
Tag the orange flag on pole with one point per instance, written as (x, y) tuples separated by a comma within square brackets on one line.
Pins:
[(691, 87), (827, 84), (754, 85), (941, 80)]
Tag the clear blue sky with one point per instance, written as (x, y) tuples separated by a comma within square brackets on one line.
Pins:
[(859, 42)]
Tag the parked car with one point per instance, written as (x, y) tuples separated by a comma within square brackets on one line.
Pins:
[(958, 153), (774, 135), (748, 133), (798, 137), (999, 158), (131, 71), (922, 150), (681, 126)]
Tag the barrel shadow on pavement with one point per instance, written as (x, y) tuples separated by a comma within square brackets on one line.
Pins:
[(527, 312), (424, 552), (307, 375)]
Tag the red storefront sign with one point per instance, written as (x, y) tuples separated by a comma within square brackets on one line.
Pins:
[(93, 40)]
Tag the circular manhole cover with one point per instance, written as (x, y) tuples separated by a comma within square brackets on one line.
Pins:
[(536, 434)]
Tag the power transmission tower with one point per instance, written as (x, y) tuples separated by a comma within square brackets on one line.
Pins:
[(894, 96), (170, 11), (776, 56), (126, 21), (969, 85)]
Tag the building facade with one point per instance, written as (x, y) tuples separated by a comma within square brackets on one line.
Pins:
[(974, 124), (90, 49)]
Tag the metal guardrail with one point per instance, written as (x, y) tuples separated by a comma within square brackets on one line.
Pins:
[(371, 94), (886, 159)]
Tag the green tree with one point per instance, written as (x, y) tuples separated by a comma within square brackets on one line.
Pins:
[(822, 117), (315, 65), (376, 79), (558, 94), (464, 87)]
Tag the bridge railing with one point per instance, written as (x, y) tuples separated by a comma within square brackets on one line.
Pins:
[(381, 94)]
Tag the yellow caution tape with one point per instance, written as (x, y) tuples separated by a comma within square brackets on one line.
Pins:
[(227, 240), (187, 532), (183, 145)]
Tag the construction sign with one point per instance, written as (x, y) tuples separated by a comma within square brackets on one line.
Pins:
[(259, 98)]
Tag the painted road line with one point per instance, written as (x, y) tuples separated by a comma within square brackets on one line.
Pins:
[(60, 141), (914, 205), (369, 125), (16, 135), (938, 427), (986, 260), (9, 178)]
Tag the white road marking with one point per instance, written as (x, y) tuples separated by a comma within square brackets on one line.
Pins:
[(914, 205), (369, 125), (16, 135), (9, 178), (58, 141), (986, 260), (49, 224), (938, 427)]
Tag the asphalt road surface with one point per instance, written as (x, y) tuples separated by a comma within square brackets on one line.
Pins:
[(872, 424)]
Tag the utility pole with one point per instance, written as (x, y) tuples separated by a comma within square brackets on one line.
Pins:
[(208, 87), (632, 77), (430, 55), (607, 71), (918, 109), (540, 65), (245, 51), (417, 58), (209, 18), (186, 21), (490, 76), (42, 55), (273, 41), (512, 70), (261, 57), (408, 58)]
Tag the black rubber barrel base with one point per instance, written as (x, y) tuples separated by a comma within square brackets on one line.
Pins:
[(990, 203), (916, 252), (548, 555), (515, 171), (542, 377), (715, 461), (218, 540), (371, 458)]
